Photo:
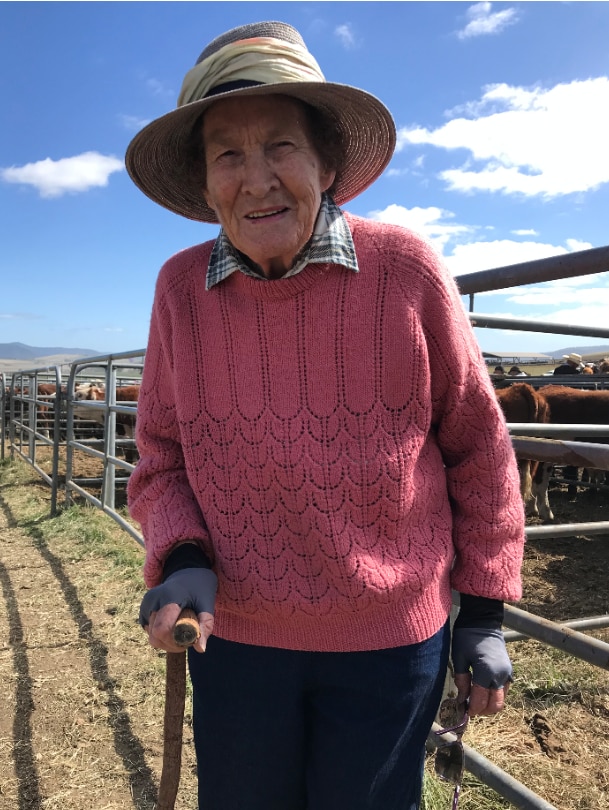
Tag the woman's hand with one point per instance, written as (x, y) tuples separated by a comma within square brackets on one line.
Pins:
[(482, 667), (194, 588)]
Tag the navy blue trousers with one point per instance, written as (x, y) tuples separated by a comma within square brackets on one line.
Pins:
[(287, 730)]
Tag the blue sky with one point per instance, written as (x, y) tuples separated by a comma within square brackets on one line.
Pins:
[(502, 118)]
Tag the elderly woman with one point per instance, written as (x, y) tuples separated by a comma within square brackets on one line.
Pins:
[(318, 432)]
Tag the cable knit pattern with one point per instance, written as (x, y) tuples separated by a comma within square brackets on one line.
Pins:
[(333, 442)]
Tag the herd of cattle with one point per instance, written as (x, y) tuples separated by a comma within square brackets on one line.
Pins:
[(89, 418), (552, 404), (521, 403)]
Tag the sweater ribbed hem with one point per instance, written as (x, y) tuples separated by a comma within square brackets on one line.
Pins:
[(381, 627)]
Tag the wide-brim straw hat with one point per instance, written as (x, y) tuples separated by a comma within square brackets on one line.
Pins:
[(573, 357), (157, 157)]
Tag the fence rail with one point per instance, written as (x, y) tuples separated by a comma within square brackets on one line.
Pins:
[(115, 371), (33, 417)]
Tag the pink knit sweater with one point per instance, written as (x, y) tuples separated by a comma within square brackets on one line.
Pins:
[(332, 441)]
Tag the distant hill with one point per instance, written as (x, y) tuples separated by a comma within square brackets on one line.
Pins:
[(583, 350), (15, 356), (20, 351)]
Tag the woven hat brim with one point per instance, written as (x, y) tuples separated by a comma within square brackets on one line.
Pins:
[(156, 155)]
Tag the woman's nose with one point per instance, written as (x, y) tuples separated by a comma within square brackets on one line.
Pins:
[(259, 176)]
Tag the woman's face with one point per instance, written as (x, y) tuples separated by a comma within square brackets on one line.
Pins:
[(264, 178)]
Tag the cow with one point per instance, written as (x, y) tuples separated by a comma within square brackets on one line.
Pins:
[(6, 411), (44, 407), (125, 423), (521, 403), (578, 407)]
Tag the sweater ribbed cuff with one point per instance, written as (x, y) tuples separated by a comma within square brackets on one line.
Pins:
[(185, 556), (478, 611)]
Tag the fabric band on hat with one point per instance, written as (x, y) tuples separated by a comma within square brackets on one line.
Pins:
[(260, 59)]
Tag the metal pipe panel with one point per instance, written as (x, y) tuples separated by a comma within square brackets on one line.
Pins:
[(501, 782), (578, 454), (570, 265), (567, 530), (593, 623), (529, 325), (556, 635)]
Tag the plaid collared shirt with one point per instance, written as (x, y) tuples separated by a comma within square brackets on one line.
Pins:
[(331, 243)]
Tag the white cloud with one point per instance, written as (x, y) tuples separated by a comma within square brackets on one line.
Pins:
[(416, 168), (463, 250), (158, 88), (577, 244), (535, 142), (594, 315), (470, 258), (430, 222), (19, 316), (582, 299), (577, 301), (592, 291), (54, 178), (583, 304), (346, 36), (525, 232), (482, 21), (132, 123)]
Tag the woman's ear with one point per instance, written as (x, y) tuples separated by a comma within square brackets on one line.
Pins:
[(327, 177), (207, 199)]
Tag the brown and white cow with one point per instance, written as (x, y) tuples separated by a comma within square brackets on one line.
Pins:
[(521, 403), (125, 423), (46, 401)]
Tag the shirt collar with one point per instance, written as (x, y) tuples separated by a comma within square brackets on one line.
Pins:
[(331, 243)]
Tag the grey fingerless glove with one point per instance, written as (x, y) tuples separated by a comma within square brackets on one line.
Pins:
[(193, 588), (481, 651)]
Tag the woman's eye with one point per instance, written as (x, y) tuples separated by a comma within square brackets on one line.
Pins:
[(283, 145)]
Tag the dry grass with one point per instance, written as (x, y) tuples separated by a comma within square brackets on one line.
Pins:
[(83, 692)]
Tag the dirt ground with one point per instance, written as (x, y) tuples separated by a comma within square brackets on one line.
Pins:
[(80, 725)]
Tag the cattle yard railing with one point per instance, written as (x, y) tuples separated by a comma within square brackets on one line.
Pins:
[(570, 265), (34, 421), (581, 263), (112, 370), (4, 412), (587, 382)]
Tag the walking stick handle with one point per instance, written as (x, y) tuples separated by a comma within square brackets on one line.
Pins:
[(186, 630)]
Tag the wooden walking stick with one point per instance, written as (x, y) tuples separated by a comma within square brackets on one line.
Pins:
[(185, 633)]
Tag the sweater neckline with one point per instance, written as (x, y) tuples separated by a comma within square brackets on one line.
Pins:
[(277, 289)]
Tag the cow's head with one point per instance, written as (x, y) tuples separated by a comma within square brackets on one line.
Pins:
[(89, 390)]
